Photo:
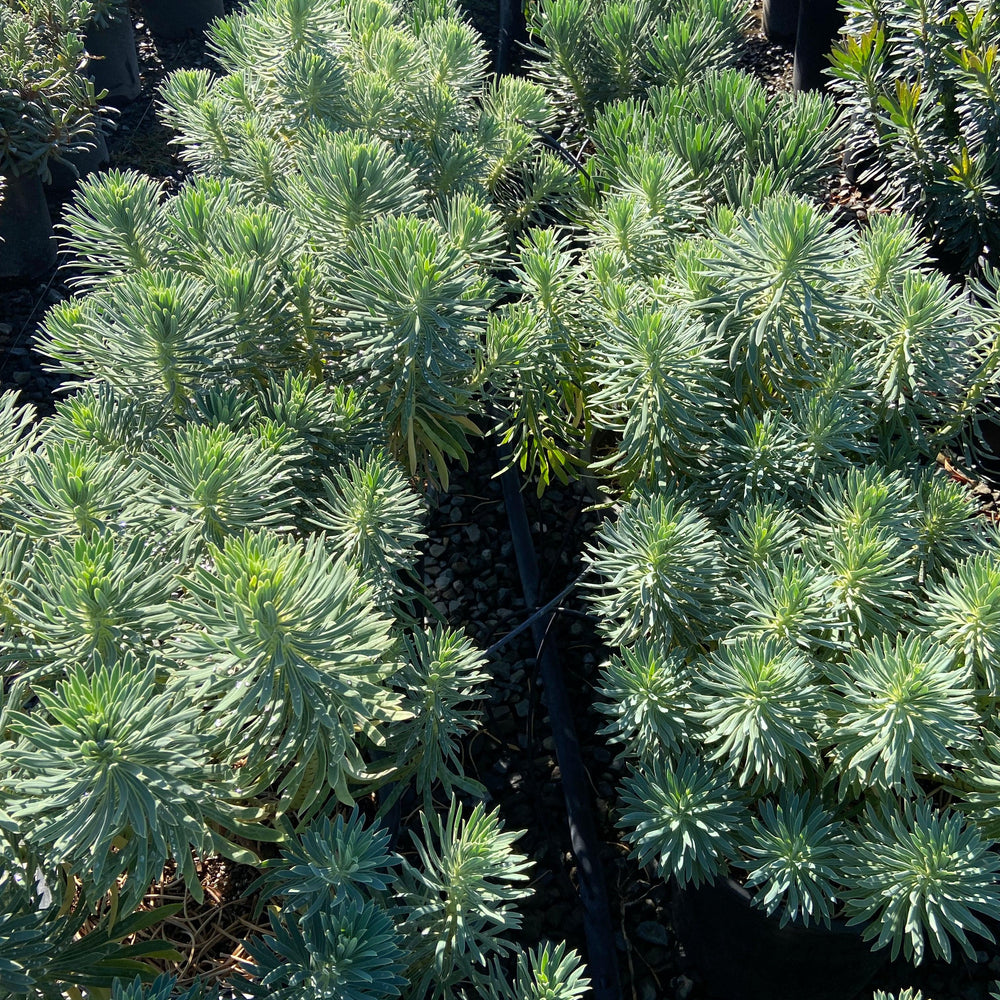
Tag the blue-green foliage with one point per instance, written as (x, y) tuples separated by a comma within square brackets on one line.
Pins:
[(212, 633), (803, 606)]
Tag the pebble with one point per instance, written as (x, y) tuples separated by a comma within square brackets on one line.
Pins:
[(444, 579), (473, 533)]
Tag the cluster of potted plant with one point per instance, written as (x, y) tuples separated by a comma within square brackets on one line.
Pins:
[(804, 609), (209, 623)]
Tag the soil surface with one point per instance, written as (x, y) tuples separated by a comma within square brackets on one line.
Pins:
[(470, 572)]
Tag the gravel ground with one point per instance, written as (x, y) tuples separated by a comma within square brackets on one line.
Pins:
[(471, 575)]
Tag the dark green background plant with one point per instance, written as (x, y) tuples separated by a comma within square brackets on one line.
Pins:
[(918, 83)]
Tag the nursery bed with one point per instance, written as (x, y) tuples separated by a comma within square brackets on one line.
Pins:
[(468, 567)]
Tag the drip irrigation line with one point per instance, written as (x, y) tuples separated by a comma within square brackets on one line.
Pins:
[(602, 964), (546, 609)]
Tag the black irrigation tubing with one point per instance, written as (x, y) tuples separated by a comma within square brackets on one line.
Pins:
[(602, 963), (548, 609), (512, 32), (601, 959)]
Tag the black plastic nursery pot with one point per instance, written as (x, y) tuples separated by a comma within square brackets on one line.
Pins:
[(180, 18), (859, 160), (27, 245), (512, 34), (65, 178), (780, 21), (741, 953), (819, 24), (114, 60)]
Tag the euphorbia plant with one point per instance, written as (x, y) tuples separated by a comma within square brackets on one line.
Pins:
[(590, 52), (918, 80), (802, 606), (788, 728), (386, 176), (193, 670)]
